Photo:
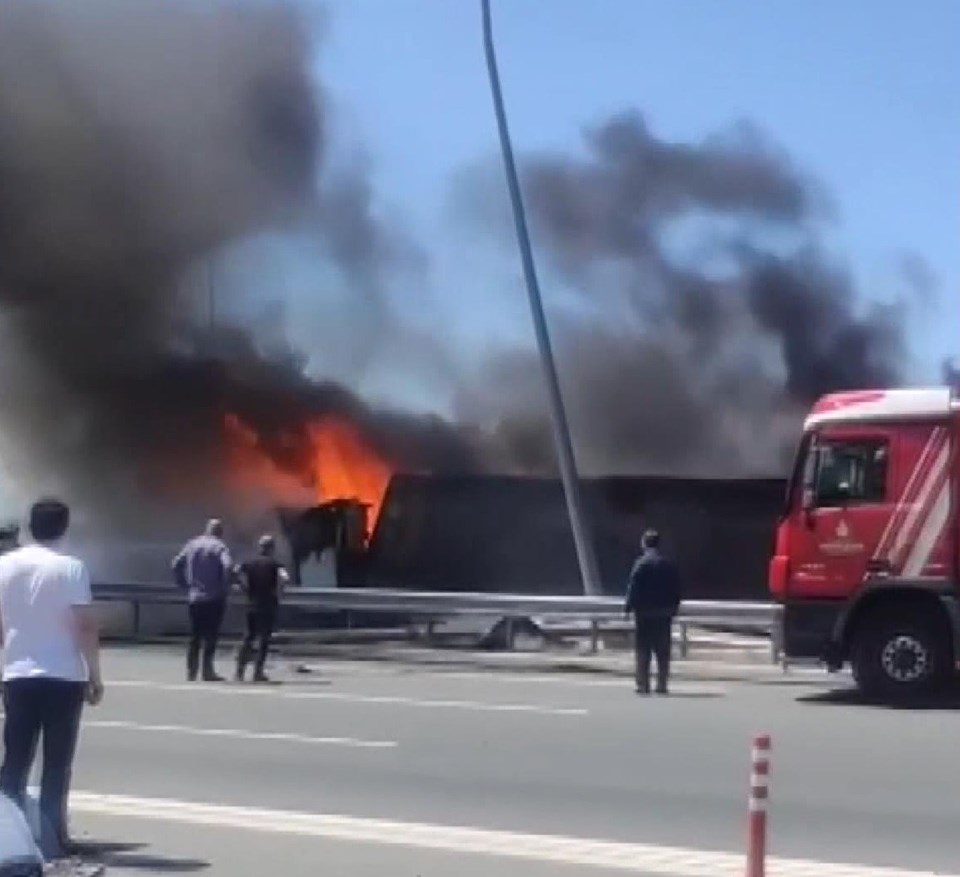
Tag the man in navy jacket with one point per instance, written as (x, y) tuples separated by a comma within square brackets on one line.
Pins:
[(653, 597)]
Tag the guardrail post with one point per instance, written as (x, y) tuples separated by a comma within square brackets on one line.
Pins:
[(684, 639), (594, 636), (510, 632), (136, 619), (778, 635)]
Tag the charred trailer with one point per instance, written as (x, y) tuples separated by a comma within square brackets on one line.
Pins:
[(339, 526), (511, 534)]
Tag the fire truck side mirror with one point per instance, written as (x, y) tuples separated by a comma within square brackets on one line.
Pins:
[(808, 493)]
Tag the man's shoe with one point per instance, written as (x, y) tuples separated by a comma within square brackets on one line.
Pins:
[(261, 677), (213, 677), (642, 690)]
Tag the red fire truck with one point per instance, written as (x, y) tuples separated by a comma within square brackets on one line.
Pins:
[(866, 557)]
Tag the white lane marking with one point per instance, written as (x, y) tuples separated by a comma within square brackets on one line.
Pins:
[(240, 734), (624, 683), (343, 697), (585, 852)]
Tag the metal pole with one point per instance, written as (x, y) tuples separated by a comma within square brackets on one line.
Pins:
[(565, 455)]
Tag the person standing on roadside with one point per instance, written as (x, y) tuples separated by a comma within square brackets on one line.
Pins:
[(263, 581), (653, 597), (204, 569), (51, 664)]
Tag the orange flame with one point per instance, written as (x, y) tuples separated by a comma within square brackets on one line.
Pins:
[(346, 467), (341, 464)]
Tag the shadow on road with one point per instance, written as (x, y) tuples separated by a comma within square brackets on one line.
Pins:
[(135, 857), (946, 700)]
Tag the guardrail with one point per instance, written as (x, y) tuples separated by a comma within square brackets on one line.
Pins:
[(437, 605)]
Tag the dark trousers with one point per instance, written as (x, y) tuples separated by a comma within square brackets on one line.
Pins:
[(206, 619), (652, 635), (260, 623), (48, 710)]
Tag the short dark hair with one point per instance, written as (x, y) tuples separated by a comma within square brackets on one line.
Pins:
[(267, 544), (49, 519), (651, 539)]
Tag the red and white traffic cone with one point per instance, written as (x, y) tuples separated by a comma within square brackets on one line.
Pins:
[(759, 795)]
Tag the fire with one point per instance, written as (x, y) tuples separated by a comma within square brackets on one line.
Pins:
[(339, 464), (346, 467)]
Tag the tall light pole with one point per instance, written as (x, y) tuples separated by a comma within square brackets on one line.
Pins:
[(558, 416)]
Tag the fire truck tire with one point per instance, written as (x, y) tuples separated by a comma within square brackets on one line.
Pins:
[(899, 656)]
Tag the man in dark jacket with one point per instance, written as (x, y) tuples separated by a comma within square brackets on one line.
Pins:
[(203, 569), (263, 580), (653, 596)]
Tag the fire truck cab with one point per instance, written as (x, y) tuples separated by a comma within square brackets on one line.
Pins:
[(866, 556)]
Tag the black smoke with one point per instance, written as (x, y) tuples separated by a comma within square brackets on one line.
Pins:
[(706, 315), (140, 141), (136, 142)]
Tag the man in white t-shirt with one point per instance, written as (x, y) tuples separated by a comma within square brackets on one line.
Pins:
[(51, 664)]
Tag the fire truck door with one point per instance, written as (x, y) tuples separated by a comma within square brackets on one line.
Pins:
[(847, 500)]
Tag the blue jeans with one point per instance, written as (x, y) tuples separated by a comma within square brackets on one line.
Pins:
[(47, 710)]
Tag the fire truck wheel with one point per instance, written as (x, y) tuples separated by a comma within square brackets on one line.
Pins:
[(899, 656)]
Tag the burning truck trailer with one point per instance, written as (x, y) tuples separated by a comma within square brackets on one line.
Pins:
[(511, 534), (487, 533), (339, 527)]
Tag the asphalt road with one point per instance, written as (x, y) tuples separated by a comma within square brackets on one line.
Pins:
[(369, 770)]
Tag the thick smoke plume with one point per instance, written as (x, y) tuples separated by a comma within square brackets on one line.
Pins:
[(704, 316), (135, 140)]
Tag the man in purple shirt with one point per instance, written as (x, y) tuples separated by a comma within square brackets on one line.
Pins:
[(204, 569)]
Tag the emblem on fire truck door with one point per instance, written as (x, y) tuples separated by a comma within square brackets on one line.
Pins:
[(843, 543)]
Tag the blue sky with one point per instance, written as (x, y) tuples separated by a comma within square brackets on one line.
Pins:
[(864, 95)]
